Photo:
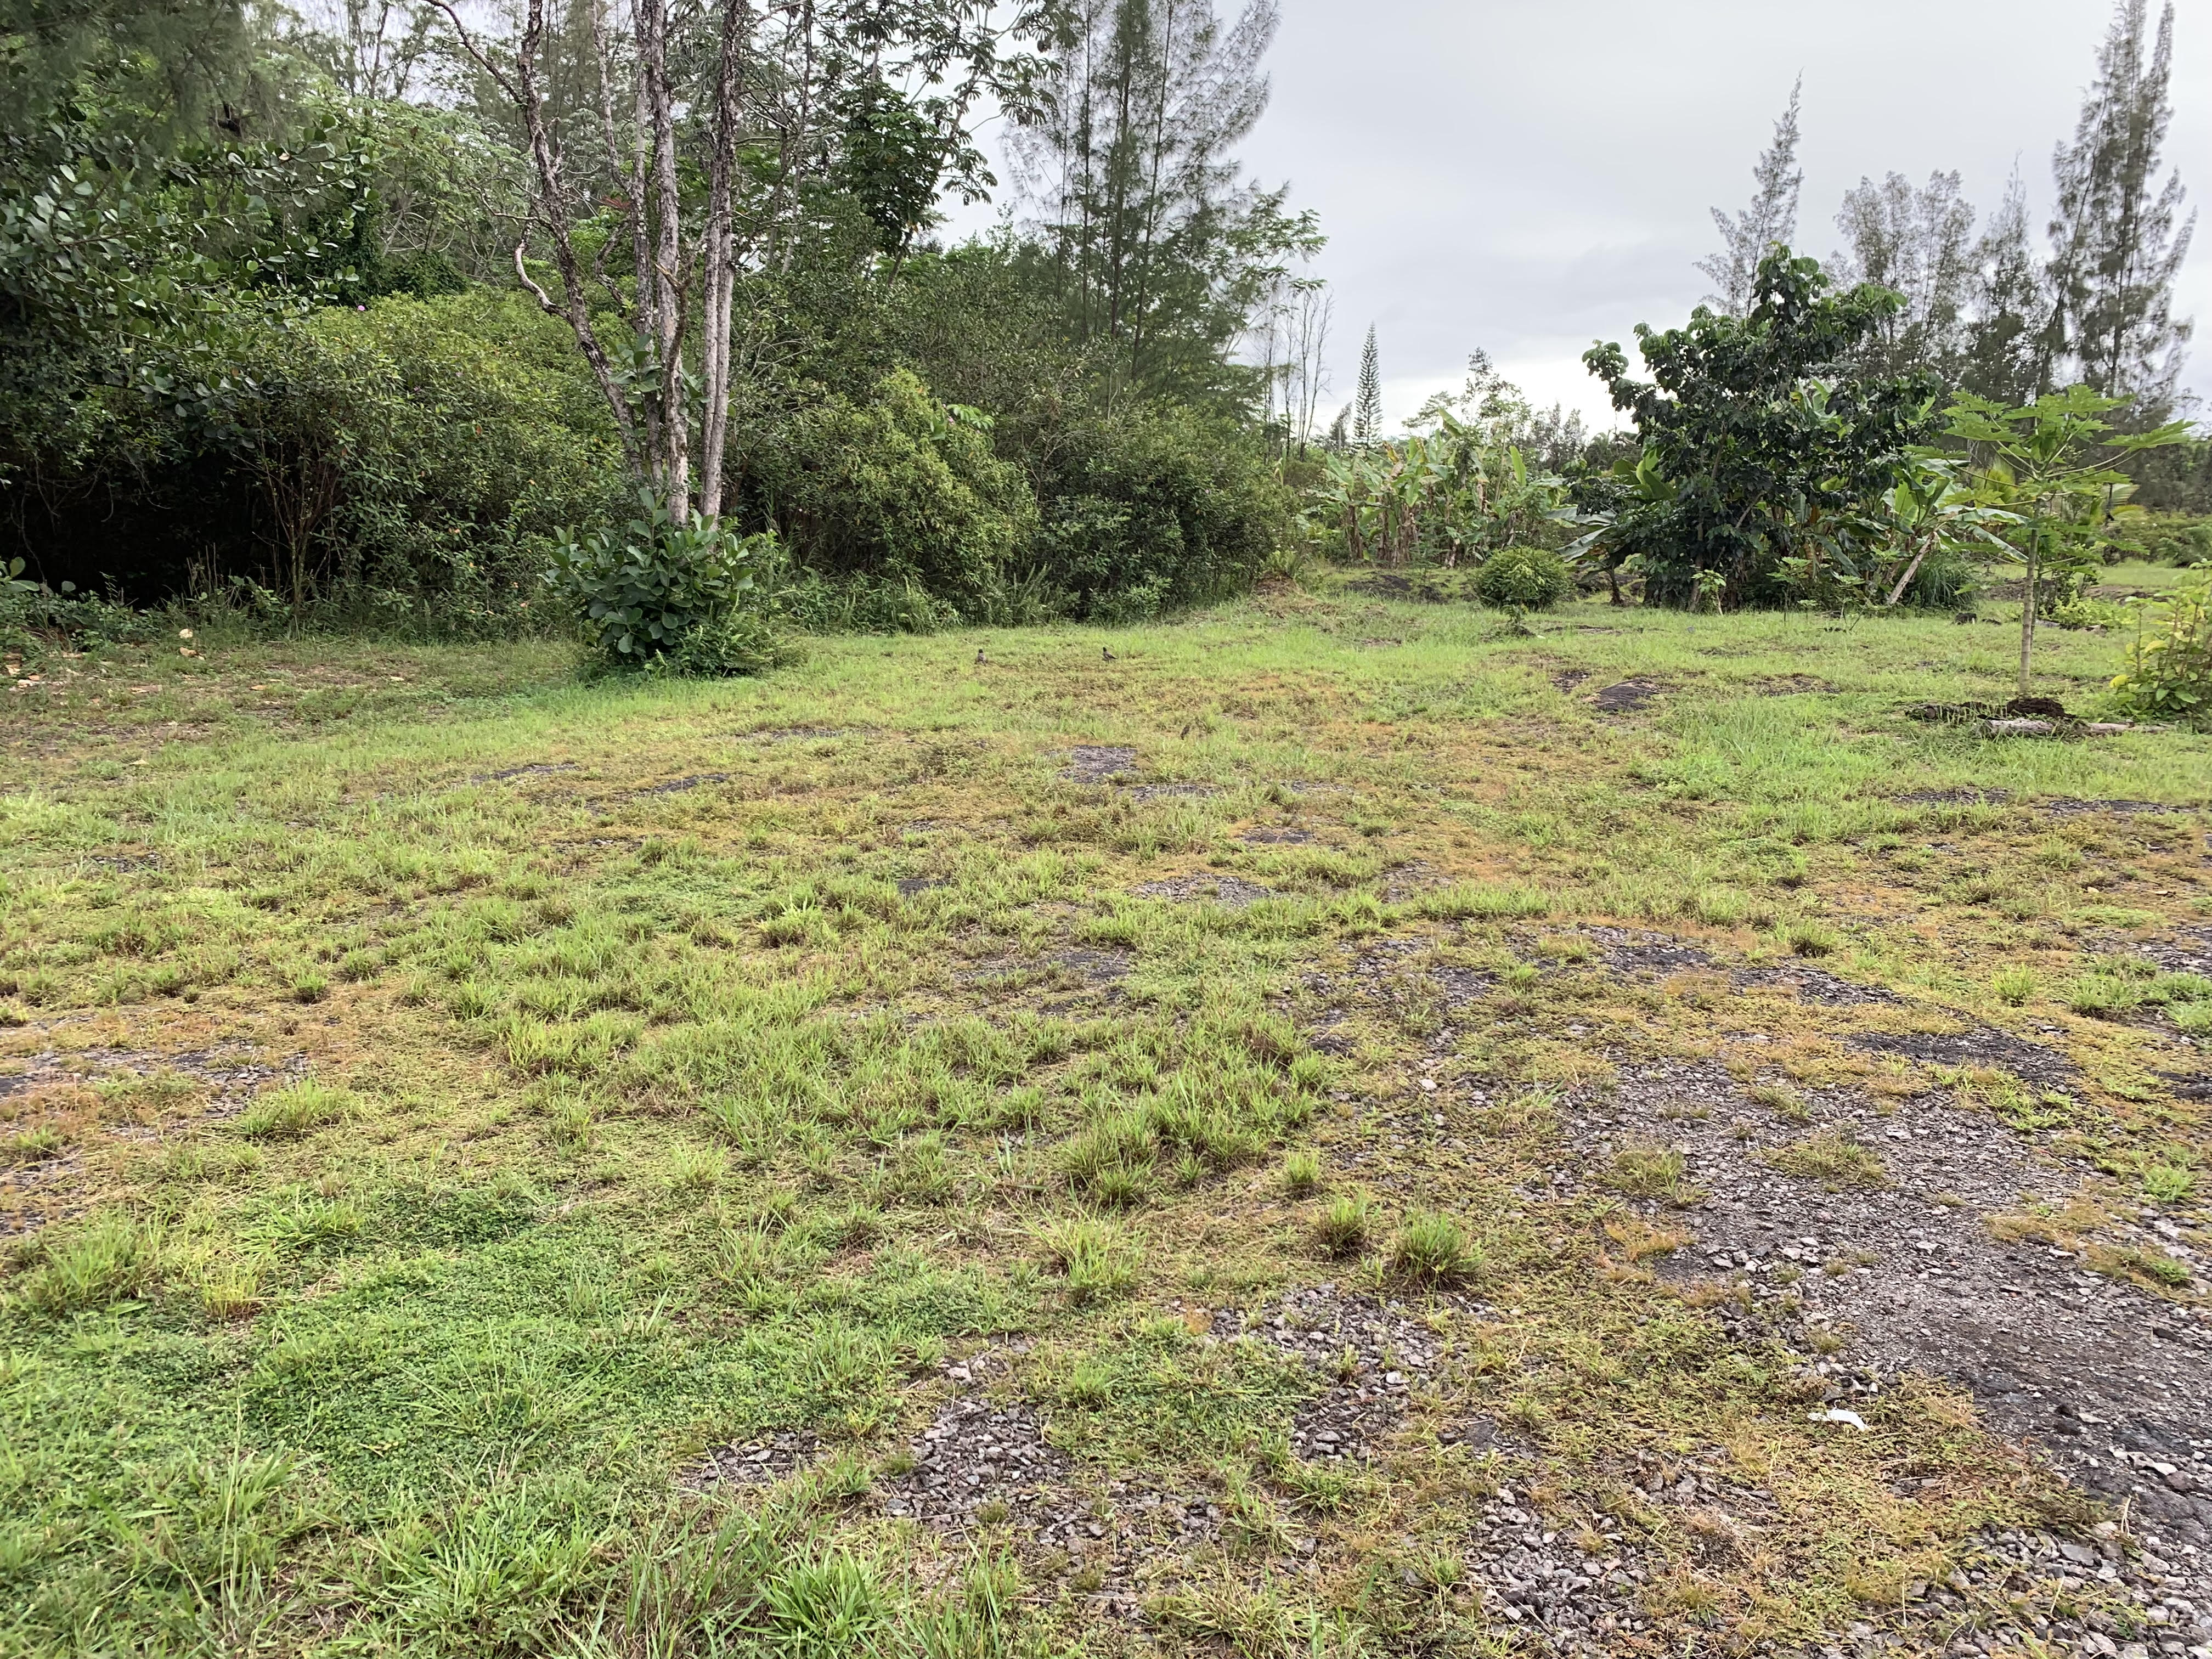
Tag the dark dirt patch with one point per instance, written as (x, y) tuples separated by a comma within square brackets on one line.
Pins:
[(792, 733), (1285, 836), (514, 772), (2066, 807), (677, 786), (1437, 589), (1793, 685), (1461, 986), (232, 1071), (1096, 763), (1629, 695), (1151, 792), (1814, 985), (1568, 679), (1981, 1046), (1092, 967), (1961, 714), (754, 1462), (909, 886), (1371, 1353), (2187, 951), (984, 1459), (2111, 1381), (1228, 891), (1630, 952)]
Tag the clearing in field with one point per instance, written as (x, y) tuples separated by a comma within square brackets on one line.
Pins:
[(1339, 1128)]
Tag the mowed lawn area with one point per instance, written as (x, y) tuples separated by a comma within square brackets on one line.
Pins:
[(1332, 1126)]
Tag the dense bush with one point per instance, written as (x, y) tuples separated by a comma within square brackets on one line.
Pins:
[(1526, 578), (902, 489), (657, 593), (1151, 509), (2175, 540), (1761, 444), (407, 461)]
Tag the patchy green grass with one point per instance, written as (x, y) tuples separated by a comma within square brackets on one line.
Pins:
[(442, 1100)]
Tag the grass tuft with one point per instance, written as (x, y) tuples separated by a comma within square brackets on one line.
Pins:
[(1099, 1260), (1833, 1158), (1342, 1228), (287, 1114), (91, 1267), (1657, 1172), (1430, 1248)]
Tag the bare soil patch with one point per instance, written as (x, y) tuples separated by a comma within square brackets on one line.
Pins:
[(1926, 1253)]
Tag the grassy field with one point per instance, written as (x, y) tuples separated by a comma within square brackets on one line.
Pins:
[(1110, 1141)]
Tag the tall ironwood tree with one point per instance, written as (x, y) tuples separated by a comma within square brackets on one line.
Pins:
[(2118, 236), (1919, 242), (1771, 218), (1161, 252)]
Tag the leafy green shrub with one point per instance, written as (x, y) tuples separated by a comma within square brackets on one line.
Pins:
[(2171, 541), (2169, 671), (1149, 509), (1524, 579), (405, 464), (900, 488), (659, 593)]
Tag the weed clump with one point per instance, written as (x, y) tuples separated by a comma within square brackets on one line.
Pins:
[(1650, 1172), (95, 1266), (287, 1114), (1432, 1250), (1342, 1230), (2169, 1183), (1099, 1260), (1833, 1160)]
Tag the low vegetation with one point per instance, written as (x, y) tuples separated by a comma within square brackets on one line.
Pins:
[(700, 1063)]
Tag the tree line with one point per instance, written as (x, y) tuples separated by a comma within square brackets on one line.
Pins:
[(381, 313)]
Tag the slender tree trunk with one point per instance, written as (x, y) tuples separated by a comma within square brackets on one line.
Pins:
[(716, 259), (2028, 598)]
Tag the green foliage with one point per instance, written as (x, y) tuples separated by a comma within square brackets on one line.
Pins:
[(1524, 579), (2174, 541), (1760, 444), (902, 488), (90, 1267), (1152, 509), (2169, 671), (2045, 470), (289, 1113), (660, 593)]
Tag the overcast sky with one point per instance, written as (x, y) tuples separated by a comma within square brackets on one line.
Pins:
[(1529, 175)]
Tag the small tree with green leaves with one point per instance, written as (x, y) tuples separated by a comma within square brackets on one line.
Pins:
[(2046, 467)]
